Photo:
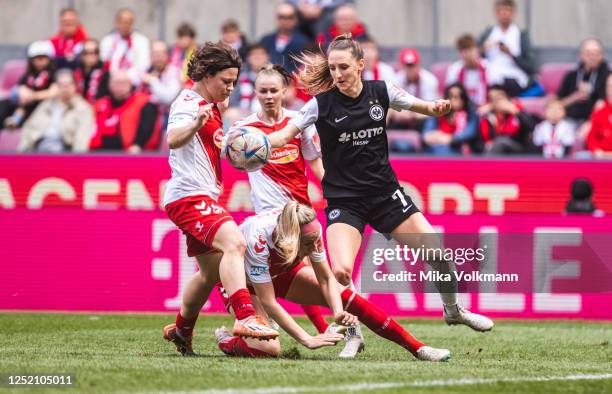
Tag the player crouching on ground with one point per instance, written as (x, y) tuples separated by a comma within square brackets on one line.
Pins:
[(277, 242)]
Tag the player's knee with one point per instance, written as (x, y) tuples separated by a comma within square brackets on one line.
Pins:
[(236, 245), (273, 348), (343, 275)]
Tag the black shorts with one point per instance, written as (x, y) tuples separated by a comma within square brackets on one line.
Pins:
[(384, 213)]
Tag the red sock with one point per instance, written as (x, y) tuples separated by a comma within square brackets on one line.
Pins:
[(378, 321), (316, 317), (236, 346), (185, 326), (242, 304)]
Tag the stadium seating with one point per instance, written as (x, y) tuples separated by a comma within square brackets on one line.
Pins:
[(534, 105), (439, 70), (412, 137), (11, 72), (9, 140), (551, 75)]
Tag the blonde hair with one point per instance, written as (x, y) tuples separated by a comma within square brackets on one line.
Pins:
[(315, 75), (287, 234)]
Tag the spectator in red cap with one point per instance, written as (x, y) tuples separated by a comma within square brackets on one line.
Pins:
[(68, 42), (599, 140), (418, 82), (346, 20)]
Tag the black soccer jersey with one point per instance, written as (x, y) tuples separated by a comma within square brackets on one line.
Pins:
[(353, 137)]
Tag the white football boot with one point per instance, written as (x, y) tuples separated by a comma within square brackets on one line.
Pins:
[(222, 334), (456, 314), (428, 353), (354, 342)]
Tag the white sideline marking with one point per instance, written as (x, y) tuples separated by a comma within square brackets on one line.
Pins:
[(389, 385)]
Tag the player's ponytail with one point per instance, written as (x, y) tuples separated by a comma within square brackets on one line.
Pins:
[(287, 234), (315, 74)]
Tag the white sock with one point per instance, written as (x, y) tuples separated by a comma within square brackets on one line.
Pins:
[(357, 326), (448, 291)]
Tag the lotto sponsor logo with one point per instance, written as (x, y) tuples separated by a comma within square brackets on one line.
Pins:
[(361, 137), (218, 138), (286, 154)]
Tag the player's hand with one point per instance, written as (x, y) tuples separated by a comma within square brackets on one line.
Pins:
[(346, 319), (322, 340), (204, 113), (440, 107)]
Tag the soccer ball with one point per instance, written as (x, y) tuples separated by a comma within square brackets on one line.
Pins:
[(248, 149)]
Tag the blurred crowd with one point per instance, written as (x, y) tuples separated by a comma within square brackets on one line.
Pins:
[(82, 94)]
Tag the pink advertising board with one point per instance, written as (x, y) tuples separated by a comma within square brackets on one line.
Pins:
[(85, 233)]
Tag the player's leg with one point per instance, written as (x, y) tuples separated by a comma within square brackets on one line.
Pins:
[(345, 225), (305, 289), (344, 229), (245, 347), (230, 241), (415, 231), (343, 242), (196, 293), (315, 313)]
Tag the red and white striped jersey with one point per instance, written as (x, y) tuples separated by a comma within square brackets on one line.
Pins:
[(196, 166), (284, 177), (261, 261)]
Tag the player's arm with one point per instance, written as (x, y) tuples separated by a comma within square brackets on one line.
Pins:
[(316, 166), (311, 150), (265, 293), (307, 116), (399, 100), (330, 286), (283, 136), (180, 135)]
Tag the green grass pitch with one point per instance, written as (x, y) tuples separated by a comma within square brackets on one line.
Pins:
[(126, 353)]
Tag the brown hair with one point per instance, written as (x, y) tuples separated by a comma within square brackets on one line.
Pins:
[(186, 29), (230, 25), (275, 70), (67, 10), (287, 233), (466, 41), (316, 76), (212, 58), (505, 3)]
